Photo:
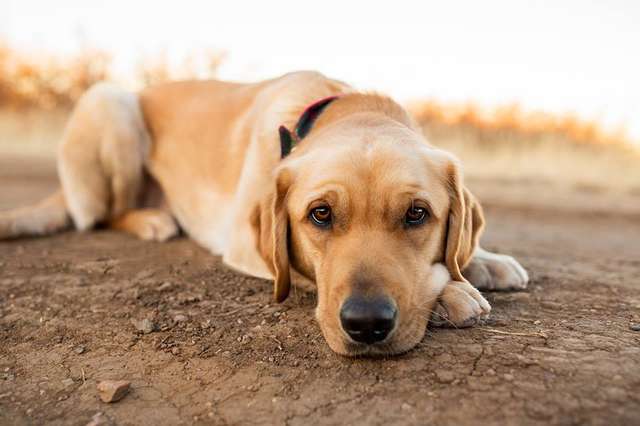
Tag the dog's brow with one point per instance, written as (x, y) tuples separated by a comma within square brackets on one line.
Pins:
[(327, 187), (412, 187)]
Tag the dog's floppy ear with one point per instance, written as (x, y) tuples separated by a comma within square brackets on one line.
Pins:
[(465, 224), (271, 223)]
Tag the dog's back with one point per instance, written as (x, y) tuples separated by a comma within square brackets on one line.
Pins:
[(205, 144)]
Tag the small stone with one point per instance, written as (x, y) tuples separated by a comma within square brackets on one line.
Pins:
[(175, 351), (144, 326), (490, 372), (445, 376), (180, 318), (406, 407), (79, 349), (98, 419), (634, 327), (165, 286), (508, 377), (537, 322), (67, 382), (58, 339), (113, 390)]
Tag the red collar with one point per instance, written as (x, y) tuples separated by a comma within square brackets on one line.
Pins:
[(303, 126)]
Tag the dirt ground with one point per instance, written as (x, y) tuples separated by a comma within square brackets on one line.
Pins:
[(562, 352)]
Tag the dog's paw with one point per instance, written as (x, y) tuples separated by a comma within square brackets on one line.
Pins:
[(490, 271), (460, 305), (157, 226)]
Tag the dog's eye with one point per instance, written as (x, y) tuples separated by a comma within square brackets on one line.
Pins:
[(415, 215), (321, 216)]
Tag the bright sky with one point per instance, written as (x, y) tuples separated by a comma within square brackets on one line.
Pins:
[(559, 56)]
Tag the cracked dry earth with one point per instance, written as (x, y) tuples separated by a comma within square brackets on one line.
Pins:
[(562, 352)]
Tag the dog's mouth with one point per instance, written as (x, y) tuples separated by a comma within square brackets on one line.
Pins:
[(371, 327), (355, 349), (404, 336)]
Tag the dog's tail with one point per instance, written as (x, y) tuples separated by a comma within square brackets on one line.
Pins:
[(44, 218)]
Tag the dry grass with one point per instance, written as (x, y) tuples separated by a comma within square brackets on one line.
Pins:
[(43, 81), (511, 123), (37, 92), (510, 144)]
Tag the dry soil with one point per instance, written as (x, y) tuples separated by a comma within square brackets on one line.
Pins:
[(217, 350)]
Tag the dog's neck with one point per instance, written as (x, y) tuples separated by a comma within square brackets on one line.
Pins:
[(326, 111), (288, 138), (357, 103)]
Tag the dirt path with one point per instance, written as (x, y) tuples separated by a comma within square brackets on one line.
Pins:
[(562, 352)]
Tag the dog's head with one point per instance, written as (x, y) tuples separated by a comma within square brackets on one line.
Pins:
[(370, 212)]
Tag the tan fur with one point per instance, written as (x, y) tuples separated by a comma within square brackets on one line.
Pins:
[(212, 149)]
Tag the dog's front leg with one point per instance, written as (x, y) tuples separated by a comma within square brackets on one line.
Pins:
[(459, 304), (492, 271)]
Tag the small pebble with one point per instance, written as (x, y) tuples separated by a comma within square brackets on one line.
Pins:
[(113, 390), (98, 419), (508, 377), (79, 349), (445, 376), (145, 326), (180, 318), (165, 286), (635, 327), (67, 382)]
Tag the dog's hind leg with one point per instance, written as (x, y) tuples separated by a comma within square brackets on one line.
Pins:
[(492, 271), (100, 164), (46, 217), (101, 158)]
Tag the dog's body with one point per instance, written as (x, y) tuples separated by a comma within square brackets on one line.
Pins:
[(207, 155)]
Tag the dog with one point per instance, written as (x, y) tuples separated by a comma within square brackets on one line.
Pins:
[(298, 179)]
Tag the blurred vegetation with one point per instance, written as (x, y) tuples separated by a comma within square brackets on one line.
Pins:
[(45, 81), (38, 90), (512, 123)]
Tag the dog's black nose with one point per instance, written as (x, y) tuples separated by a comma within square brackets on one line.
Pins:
[(368, 320)]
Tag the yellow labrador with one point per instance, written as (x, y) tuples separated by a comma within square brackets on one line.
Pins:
[(295, 178)]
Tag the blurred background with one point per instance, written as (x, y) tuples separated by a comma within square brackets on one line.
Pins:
[(538, 98)]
